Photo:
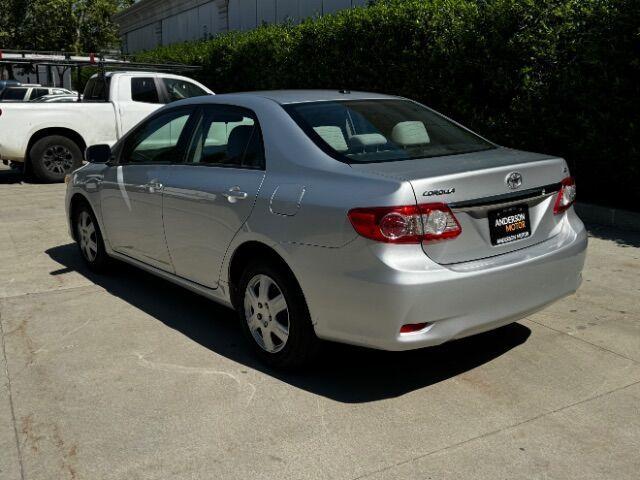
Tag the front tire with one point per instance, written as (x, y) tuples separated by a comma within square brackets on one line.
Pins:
[(89, 239), (53, 157), (275, 317)]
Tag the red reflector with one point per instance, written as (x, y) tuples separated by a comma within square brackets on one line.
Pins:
[(412, 327)]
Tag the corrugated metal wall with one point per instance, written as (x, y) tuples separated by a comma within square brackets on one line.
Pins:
[(247, 14), (210, 18)]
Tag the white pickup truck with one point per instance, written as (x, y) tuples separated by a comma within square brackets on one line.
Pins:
[(49, 139)]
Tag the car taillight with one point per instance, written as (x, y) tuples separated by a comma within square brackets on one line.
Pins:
[(413, 327), (566, 195), (408, 224)]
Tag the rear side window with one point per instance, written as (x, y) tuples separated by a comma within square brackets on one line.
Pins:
[(228, 136), (97, 89), (14, 94), (178, 89), (38, 92), (144, 90)]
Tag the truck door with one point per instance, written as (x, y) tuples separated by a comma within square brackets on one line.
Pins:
[(138, 97)]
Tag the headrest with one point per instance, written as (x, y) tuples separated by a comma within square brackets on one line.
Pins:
[(238, 141), (367, 140), (408, 134), (333, 136)]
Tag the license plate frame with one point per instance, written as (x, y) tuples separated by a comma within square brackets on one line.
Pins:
[(509, 224)]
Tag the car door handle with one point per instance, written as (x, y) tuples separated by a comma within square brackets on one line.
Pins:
[(234, 194), (154, 186)]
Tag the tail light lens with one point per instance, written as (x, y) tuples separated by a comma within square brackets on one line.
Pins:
[(409, 224), (566, 195), (413, 327)]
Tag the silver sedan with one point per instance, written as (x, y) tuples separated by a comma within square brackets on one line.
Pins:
[(353, 217)]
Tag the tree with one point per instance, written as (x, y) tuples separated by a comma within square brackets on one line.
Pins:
[(69, 25), (94, 29)]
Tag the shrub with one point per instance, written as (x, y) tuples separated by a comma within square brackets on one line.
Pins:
[(554, 76)]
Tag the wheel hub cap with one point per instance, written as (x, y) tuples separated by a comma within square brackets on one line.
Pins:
[(266, 313), (87, 236)]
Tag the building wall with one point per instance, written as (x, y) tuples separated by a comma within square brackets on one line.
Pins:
[(48, 77), (150, 23)]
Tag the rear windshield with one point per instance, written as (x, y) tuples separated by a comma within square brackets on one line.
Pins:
[(97, 89), (365, 131), (14, 94)]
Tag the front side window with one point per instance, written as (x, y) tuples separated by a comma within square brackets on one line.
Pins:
[(363, 131), (162, 139), (178, 89), (144, 90), (228, 136)]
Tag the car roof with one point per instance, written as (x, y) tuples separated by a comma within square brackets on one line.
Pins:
[(284, 97), (139, 73)]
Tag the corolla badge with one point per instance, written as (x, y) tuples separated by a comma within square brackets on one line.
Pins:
[(442, 191), (514, 180)]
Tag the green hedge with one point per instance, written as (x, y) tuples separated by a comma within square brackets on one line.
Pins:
[(554, 76)]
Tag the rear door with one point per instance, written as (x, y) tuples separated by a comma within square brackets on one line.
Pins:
[(208, 199)]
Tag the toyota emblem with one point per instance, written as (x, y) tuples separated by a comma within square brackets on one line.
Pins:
[(514, 180)]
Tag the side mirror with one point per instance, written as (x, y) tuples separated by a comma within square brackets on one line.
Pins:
[(98, 154)]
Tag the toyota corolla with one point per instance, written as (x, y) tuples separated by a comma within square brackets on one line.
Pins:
[(353, 217)]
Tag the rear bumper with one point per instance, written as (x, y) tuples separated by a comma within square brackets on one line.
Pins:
[(363, 293), (11, 155)]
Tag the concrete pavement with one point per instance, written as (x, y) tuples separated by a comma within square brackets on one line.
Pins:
[(129, 377)]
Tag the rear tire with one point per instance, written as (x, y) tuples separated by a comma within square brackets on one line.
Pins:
[(275, 317), (53, 157), (89, 239)]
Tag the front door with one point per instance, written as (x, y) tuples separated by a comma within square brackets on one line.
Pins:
[(210, 196), (131, 193)]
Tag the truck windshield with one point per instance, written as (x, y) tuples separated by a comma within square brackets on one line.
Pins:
[(364, 131)]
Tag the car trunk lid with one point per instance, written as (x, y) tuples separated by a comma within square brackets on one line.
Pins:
[(475, 187)]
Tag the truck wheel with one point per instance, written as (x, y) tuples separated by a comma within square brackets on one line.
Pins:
[(53, 157)]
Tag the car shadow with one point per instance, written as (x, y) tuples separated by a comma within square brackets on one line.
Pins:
[(9, 176), (624, 238), (344, 373)]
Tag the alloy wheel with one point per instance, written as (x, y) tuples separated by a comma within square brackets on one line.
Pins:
[(57, 159), (266, 313), (87, 236)]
